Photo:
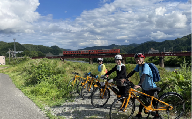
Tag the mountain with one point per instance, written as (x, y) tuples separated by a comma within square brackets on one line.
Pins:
[(124, 48), (29, 48), (4, 47), (179, 44)]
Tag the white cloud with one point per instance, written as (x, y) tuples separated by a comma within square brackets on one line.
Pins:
[(160, 11), (159, 35), (118, 22), (121, 37), (17, 16)]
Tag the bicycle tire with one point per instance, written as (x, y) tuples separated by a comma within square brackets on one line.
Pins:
[(175, 100), (72, 87), (117, 113), (86, 90), (97, 100)]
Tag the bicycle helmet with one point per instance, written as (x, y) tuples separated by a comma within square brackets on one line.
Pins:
[(99, 59), (118, 57), (139, 55)]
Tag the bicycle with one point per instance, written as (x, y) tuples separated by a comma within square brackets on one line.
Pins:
[(168, 104), (88, 86), (73, 83), (101, 94)]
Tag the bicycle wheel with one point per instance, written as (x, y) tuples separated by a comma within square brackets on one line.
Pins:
[(86, 90), (98, 99), (72, 85), (117, 113), (176, 101)]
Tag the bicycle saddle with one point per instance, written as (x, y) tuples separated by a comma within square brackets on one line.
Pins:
[(155, 89)]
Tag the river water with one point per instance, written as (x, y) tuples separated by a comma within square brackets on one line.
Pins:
[(167, 68)]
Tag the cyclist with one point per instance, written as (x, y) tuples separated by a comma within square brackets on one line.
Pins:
[(121, 75), (146, 80), (101, 68)]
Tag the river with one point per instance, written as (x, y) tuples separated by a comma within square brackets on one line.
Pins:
[(166, 67)]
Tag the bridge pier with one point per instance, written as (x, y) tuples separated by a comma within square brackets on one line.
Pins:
[(123, 60), (161, 61), (90, 60)]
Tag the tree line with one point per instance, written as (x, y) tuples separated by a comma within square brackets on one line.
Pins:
[(177, 45)]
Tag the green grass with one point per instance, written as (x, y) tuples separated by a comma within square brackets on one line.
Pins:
[(45, 81)]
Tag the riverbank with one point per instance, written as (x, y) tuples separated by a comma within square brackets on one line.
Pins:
[(166, 67), (45, 81), (169, 61)]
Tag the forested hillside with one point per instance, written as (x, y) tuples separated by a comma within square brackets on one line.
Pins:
[(177, 45), (29, 49)]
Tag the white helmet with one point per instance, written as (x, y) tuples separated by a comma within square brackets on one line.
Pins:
[(118, 57), (100, 59)]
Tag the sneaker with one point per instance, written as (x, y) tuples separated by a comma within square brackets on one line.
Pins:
[(122, 110), (138, 116)]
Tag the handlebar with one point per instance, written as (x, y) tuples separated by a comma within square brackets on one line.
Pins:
[(75, 73), (129, 83)]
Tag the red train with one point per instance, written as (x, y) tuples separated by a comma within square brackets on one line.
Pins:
[(92, 52)]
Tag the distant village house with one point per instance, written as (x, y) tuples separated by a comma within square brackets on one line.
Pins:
[(2, 60), (153, 51)]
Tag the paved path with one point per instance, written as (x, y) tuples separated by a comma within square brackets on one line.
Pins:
[(14, 104)]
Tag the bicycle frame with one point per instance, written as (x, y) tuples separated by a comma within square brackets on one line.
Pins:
[(108, 85), (91, 80), (149, 108), (77, 77)]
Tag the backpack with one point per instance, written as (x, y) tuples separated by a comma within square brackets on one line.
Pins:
[(155, 72)]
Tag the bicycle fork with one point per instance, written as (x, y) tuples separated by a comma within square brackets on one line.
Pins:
[(125, 103)]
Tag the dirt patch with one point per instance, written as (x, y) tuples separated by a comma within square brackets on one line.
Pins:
[(3, 68)]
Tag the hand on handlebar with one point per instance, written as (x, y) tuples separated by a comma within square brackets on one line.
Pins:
[(123, 80), (136, 86)]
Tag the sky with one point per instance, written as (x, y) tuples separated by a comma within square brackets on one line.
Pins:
[(77, 24)]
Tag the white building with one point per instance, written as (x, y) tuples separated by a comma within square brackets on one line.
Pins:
[(2, 60), (153, 51)]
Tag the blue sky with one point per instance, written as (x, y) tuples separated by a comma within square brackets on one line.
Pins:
[(76, 24), (66, 9)]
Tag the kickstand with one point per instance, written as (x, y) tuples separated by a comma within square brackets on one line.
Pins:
[(168, 112)]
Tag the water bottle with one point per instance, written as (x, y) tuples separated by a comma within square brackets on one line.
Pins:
[(143, 100)]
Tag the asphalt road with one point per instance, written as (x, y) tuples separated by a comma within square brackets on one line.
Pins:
[(14, 104)]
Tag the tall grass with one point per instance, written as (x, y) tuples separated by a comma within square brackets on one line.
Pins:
[(45, 81)]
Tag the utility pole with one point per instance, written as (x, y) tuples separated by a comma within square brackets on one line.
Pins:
[(9, 55), (164, 49), (14, 48)]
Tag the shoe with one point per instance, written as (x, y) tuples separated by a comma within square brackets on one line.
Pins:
[(156, 117), (138, 116), (122, 110)]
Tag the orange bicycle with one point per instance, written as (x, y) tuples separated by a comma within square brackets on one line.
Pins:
[(72, 86), (101, 94), (169, 105), (87, 86)]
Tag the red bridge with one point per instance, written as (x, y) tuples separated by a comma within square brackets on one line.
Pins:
[(161, 55)]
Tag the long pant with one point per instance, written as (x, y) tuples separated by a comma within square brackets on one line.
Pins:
[(151, 93), (123, 90)]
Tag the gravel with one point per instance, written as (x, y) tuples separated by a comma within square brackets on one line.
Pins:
[(83, 109)]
